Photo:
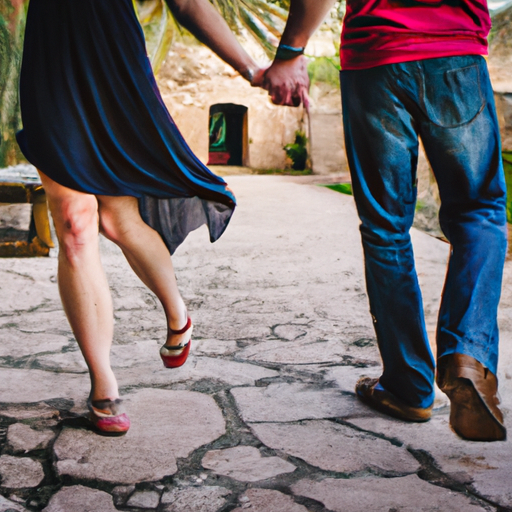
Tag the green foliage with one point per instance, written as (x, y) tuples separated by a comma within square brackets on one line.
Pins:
[(343, 188), (263, 19), (159, 28), (284, 4), (499, 37), (324, 70), (12, 24), (507, 164), (420, 205), (298, 151)]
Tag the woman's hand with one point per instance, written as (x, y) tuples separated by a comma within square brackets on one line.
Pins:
[(287, 82), (258, 77)]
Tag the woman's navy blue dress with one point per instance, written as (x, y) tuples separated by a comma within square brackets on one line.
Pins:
[(94, 120)]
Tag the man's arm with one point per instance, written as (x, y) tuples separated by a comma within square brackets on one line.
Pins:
[(287, 80), (204, 21)]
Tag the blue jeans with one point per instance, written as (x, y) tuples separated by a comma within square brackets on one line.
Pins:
[(448, 102)]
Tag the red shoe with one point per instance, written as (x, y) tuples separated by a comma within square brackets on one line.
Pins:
[(175, 356), (107, 417)]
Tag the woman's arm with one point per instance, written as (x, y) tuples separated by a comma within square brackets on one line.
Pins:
[(205, 23)]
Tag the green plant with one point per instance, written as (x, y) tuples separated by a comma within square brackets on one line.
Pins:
[(12, 25), (507, 165), (298, 151), (324, 70), (159, 29), (343, 188)]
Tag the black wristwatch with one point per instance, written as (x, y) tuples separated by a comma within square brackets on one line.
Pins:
[(285, 52), (248, 74)]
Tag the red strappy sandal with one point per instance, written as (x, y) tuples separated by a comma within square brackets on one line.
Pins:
[(108, 417), (175, 356)]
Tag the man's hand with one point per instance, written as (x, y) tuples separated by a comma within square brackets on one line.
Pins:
[(287, 82)]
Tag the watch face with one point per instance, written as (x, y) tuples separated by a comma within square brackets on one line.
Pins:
[(249, 75)]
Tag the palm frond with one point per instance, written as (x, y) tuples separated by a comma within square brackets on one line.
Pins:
[(264, 20), (265, 8), (229, 10), (159, 28), (259, 31)]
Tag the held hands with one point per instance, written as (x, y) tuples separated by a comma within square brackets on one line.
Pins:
[(258, 77), (287, 82)]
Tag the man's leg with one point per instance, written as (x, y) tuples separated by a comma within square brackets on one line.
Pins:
[(462, 140), (382, 149)]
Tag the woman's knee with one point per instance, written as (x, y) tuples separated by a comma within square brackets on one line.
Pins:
[(76, 223), (75, 216)]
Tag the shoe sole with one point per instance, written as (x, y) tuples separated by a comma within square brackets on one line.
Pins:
[(108, 434), (392, 409), (103, 432), (469, 416), (176, 361)]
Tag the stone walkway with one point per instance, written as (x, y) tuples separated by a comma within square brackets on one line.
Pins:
[(263, 415)]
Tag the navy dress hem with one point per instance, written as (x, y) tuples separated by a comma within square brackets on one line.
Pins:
[(94, 120)]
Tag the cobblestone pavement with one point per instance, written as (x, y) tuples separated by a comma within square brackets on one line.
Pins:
[(263, 415)]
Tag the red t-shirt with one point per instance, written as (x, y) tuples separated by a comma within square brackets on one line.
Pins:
[(377, 32)]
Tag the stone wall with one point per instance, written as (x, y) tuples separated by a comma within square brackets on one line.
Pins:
[(193, 78), (504, 109)]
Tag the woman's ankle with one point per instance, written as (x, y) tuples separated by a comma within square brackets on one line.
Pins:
[(177, 337), (176, 321), (104, 387)]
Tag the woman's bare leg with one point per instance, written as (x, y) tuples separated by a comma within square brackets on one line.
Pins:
[(82, 282), (120, 221)]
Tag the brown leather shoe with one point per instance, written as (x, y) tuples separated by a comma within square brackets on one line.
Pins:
[(472, 390), (385, 402)]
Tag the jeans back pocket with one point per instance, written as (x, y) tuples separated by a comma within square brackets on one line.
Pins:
[(452, 97)]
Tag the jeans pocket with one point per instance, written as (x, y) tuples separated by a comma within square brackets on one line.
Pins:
[(452, 97)]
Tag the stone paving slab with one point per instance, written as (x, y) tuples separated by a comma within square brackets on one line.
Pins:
[(245, 463), (266, 500), (407, 494), (18, 344), (31, 386), (487, 467), (144, 499), (166, 425), (22, 411), (195, 499), (307, 351), (337, 448), (22, 438), (78, 498), (200, 368), (282, 333), (20, 472), (293, 402), (8, 506)]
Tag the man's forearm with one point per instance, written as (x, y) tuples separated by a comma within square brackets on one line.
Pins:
[(304, 18)]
